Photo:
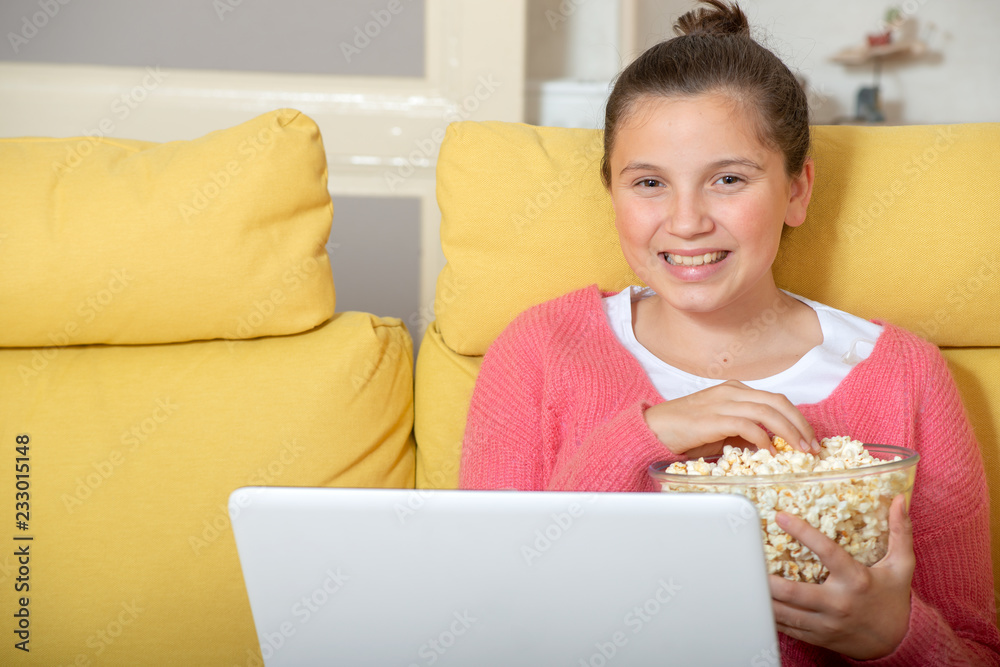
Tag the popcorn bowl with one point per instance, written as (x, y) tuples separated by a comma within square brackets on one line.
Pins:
[(849, 505)]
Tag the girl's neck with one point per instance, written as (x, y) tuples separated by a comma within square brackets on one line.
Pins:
[(757, 338)]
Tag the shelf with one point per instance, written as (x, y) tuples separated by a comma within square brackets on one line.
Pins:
[(859, 55)]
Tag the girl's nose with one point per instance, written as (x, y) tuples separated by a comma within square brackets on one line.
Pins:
[(687, 216)]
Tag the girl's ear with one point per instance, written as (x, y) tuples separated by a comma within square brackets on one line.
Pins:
[(799, 194)]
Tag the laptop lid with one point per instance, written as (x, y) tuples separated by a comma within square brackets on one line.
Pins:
[(419, 578)]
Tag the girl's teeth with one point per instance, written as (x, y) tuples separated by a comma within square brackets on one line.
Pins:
[(696, 260)]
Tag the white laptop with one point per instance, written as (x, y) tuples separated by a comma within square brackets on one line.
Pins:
[(478, 578)]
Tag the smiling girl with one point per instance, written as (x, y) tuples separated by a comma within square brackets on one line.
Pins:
[(706, 161)]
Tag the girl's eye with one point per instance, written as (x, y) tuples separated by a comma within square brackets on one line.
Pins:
[(729, 179), (648, 183)]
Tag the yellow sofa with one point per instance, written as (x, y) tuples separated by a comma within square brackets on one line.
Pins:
[(168, 334), (904, 226)]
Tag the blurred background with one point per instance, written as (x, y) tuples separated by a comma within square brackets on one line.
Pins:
[(383, 78)]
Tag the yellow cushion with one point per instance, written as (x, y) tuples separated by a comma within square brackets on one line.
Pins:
[(117, 241), (899, 228), (133, 453), (443, 389), (544, 226)]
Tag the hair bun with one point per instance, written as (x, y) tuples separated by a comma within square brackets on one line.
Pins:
[(719, 19)]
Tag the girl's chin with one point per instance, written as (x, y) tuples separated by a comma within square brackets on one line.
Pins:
[(697, 299)]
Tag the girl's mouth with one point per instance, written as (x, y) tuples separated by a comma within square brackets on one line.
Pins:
[(696, 260)]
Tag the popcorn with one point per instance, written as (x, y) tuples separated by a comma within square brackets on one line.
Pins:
[(854, 512), (780, 444)]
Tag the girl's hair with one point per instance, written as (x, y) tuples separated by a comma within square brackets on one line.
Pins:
[(714, 53)]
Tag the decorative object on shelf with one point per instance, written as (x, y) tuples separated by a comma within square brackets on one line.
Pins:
[(893, 20), (893, 40)]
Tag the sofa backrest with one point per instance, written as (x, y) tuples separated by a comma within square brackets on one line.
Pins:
[(902, 227), (167, 335)]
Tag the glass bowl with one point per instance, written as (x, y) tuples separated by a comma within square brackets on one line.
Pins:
[(850, 506)]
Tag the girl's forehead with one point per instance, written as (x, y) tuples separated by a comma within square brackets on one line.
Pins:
[(695, 124), (645, 111)]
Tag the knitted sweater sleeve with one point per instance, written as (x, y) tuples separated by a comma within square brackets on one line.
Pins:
[(501, 444), (952, 611), (530, 428)]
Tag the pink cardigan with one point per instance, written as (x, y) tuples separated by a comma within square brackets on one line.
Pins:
[(559, 405)]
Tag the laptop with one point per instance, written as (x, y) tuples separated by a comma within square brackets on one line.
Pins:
[(478, 578)]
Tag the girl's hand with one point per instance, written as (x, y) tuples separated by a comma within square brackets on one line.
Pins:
[(861, 612), (731, 413)]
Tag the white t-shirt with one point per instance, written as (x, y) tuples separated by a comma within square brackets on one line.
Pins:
[(847, 339)]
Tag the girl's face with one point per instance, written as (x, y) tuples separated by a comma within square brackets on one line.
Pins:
[(700, 203)]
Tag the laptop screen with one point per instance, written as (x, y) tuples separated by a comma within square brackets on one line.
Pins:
[(403, 577)]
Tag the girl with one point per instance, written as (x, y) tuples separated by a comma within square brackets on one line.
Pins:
[(706, 160)]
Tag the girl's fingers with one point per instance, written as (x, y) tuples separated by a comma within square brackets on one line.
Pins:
[(782, 590), (792, 620), (782, 418), (900, 551), (729, 413), (831, 554)]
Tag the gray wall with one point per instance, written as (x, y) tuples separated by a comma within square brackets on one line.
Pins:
[(349, 37), (374, 251)]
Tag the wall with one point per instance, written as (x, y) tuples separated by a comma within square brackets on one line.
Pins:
[(301, 36), (957, 81)]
